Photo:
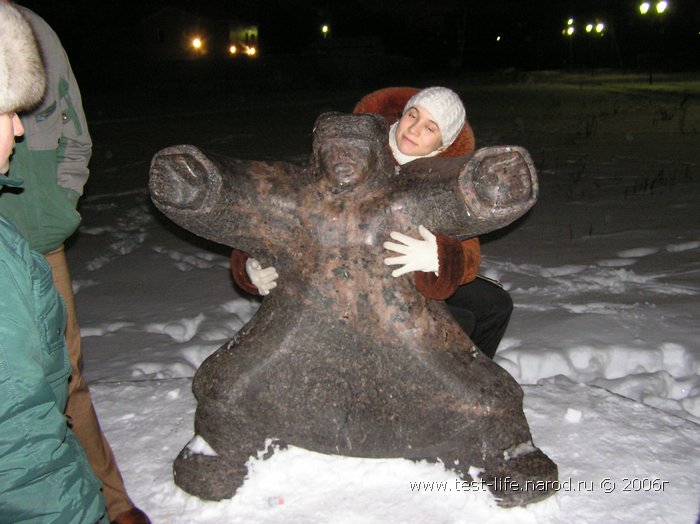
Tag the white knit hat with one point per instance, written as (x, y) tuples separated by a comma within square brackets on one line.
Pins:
[(22, 77), (446, 108)]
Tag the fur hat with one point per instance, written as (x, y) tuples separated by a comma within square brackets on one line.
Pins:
[(22, 76), (447, 110)]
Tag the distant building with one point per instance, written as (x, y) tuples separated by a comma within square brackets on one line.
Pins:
[(175, 34)]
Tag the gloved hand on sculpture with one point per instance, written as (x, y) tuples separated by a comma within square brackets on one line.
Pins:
[(418, 255), (265, 279)]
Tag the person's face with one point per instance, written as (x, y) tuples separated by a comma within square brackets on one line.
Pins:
[(417, 134), (10, 127)]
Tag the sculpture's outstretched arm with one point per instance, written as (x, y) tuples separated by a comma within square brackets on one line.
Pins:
[(477, 194), (232, 202)]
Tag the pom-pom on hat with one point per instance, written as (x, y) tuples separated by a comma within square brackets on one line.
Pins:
[(22, 77), (447, 110)]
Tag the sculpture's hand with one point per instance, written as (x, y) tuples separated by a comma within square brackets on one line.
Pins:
[(264, 279), (418, 255)]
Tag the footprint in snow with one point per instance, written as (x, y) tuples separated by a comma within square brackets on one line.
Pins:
[(201, 260), (598, 308), (684, 246), (179, 330), (80, 284), (616, 262), (96, 231), (195, 355), (127, 245), (156, 370), (562, 270), (97, 263), (104, 329), (123, 246), (637, 252)]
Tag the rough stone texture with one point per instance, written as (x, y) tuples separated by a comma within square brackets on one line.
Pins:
[(341, 357)]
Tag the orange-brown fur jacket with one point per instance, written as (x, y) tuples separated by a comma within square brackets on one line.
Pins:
[(458, 260)]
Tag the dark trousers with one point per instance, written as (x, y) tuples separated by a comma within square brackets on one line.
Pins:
[(482, 308)]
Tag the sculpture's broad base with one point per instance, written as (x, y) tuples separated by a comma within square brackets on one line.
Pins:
[(515, 482), (365, 398)]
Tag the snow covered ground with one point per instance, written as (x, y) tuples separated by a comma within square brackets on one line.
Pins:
[(604, 273)]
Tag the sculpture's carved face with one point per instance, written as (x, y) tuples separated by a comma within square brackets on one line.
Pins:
[(349, 149), (347, 162)]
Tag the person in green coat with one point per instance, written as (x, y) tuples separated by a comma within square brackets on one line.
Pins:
[(45, 476), (53, 160)]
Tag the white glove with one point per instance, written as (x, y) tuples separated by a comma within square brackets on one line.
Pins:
[(418, 255), (263, 279)]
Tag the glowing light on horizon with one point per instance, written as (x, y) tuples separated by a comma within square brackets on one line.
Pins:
[(660, 7), (570, 29)]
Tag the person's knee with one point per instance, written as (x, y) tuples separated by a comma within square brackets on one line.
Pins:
[(501, 304), (506, 302), (464, 318)]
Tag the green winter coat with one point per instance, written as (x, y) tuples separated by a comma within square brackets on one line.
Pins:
[(52, 158), (44, 474)]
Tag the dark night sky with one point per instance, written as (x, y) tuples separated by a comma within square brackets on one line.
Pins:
[(94, 30)]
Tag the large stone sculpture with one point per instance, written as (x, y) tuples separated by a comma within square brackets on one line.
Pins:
[(341, 357)]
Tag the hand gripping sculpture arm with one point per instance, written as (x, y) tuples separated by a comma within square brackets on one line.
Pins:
[(250, 275), (265, 279), (417, 255), (441, 263)]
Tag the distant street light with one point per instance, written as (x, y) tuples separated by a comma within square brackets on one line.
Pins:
[(598, 28), (568, 32), (570, 27), (659, 9), (325, 30), (248, 50)]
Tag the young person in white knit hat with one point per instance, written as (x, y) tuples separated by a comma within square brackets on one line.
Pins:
[(424, 123), (430, 123), (44, 473)]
